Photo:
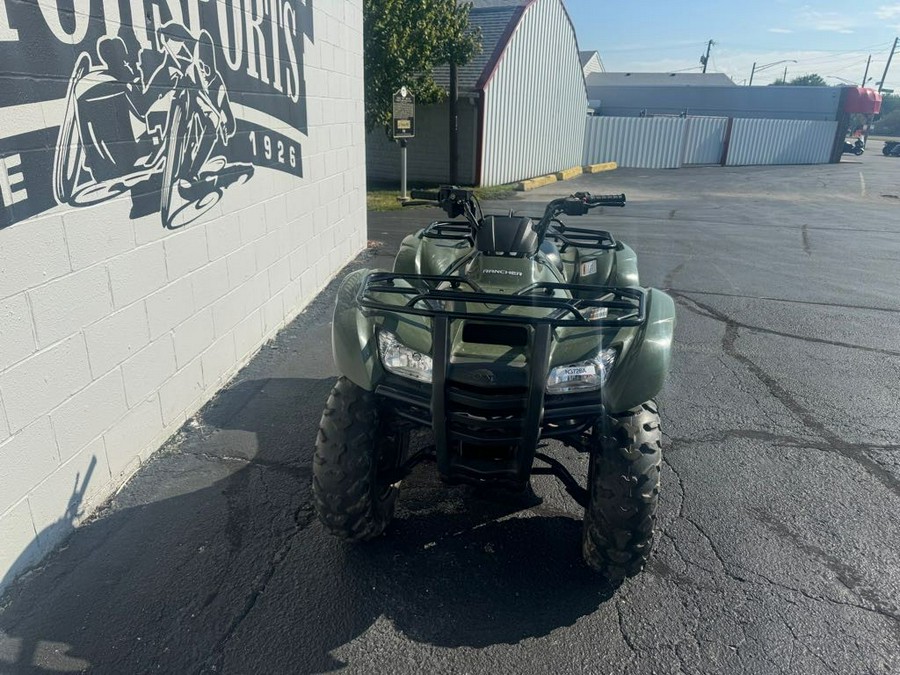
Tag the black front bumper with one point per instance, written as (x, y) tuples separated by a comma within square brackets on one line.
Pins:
[(489, 433), (469, 420)]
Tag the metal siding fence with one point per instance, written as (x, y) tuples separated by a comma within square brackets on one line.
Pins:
[(535, 105), (755, 141), (635, 142), (705, 140)]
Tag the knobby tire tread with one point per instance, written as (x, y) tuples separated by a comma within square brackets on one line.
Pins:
[(346, 496), (623, 482)]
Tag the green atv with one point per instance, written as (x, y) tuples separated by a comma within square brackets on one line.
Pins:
[(498, 332)]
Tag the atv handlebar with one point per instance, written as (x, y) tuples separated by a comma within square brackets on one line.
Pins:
[(577, 204), (425, 195), (456, 201), (603, 200)]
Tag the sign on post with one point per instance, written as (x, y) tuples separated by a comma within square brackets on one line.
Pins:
[(404, 125)]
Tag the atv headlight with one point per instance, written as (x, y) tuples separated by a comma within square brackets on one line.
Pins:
[(401, 360), (587, 375)]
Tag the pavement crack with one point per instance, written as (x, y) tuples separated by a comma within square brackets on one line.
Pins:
[(680, 484), (675, 271), (837, 305), (625, 636), (832, 442), (256, 462), (702, 309), (783, 441), (718, 555), (818, 598), (848, 576), (303, 517), (681, 556)]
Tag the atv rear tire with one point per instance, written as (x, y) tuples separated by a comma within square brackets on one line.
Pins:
[(354, 452), (623, 482)]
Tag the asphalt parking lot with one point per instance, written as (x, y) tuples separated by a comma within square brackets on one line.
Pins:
[(779, 536)]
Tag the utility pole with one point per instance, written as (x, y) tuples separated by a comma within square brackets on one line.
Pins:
[(784, 77), (704, 60), (866, 74), (887, 65), (454, 122), (751, 74)]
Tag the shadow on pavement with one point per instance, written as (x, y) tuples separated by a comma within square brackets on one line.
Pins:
[(55, 531), (212, 560)]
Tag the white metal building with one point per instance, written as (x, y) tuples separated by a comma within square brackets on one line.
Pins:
[(522, 108), (591, 63)]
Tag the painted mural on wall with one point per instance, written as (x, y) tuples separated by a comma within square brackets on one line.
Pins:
[(170, 102)]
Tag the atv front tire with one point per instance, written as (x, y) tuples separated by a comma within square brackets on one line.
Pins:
[(623, 482), (355, 452)]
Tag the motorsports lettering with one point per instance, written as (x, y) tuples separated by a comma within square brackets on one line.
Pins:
[(169, 102)]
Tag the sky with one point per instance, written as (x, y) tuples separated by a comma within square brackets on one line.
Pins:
[(830, 38)]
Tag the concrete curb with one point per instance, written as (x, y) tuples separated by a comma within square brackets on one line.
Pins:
[(533, 183), (566, 174), (599, 168), (569, 173)]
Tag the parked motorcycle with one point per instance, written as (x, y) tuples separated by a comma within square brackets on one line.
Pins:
[(856, 148), (891, 149)]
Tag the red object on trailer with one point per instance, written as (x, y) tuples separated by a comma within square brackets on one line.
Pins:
[(862, 100)]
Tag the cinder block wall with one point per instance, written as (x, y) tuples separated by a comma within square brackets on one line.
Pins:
[(428, 154), (118, 320)]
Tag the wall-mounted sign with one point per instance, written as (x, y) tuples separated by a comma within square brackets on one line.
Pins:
[(171, 105), (404, 114)]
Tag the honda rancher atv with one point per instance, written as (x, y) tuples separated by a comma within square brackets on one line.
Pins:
[(497, 333)]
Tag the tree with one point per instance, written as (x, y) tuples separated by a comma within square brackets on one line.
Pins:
[(810, 80), (889, 103), (404, 40)]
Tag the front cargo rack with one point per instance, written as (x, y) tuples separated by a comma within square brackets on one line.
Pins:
[(433, 296), (452, 230), (460, 416), (580, 237)]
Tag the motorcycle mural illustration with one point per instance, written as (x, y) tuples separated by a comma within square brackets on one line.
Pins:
[(158, 125)]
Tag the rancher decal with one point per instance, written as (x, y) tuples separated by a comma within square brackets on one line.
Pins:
[(171, 102)]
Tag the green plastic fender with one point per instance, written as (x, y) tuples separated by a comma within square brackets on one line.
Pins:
[(626, 267), (353, 336), (639, 373), (405, 262)]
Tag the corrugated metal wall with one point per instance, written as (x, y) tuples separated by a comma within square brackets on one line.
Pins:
[(705, 140), (672, 142), (780, 142), (536, 103), (635, 142)]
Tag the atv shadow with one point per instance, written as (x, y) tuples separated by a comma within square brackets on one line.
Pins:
[(212, 559)]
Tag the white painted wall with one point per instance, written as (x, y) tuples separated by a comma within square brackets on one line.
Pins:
[(114, 331), (594, 65)]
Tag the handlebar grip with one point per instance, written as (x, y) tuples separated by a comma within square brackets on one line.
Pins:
[(607, 200), (425, 195)]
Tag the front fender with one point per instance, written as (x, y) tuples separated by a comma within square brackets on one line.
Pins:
[(641, 371), (626, 267), (353, 336)]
